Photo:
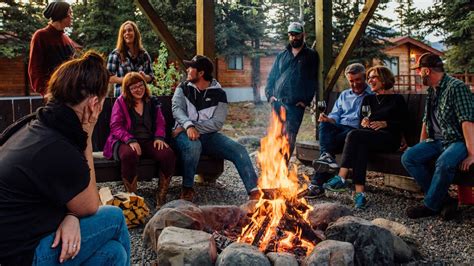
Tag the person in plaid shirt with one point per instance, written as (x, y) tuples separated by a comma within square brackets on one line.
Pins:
[(447, 135), (129, 55)]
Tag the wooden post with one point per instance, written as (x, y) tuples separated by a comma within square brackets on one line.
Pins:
[(323, 42), (205, 38), (161, 30), (349, 44)]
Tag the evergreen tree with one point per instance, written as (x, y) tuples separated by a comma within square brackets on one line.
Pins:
[(405, 10), (455, 20), (18, 22)]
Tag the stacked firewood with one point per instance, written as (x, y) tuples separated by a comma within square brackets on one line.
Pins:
[(134, 207)]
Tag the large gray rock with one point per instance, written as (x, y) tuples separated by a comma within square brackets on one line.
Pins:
[(373, 245), (222, 217), (282, 259), (405, 243), (179, 246), (331, 252), (242, 254), (325, 213), (179, 213)]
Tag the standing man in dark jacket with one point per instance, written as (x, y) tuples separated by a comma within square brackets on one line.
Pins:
[(292, 81)]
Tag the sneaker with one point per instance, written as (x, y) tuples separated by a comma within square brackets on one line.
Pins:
[(314, 191), (335, 184), (360, 202), (325, 164), (420, 211)]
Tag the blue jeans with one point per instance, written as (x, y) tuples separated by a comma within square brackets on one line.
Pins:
[(416, 161), (104, 241), (294, 117), (331, 140), (215, 145)]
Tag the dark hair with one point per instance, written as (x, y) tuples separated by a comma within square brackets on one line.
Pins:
[(76, 79), (384, 75), (137, 40), (130, 79)]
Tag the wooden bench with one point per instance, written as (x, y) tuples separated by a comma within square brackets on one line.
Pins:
[(13, 108), (388, 163)]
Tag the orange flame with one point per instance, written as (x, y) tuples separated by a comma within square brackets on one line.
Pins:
[(272, 159)]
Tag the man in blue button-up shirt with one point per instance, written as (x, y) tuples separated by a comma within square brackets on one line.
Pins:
[(334, 127)]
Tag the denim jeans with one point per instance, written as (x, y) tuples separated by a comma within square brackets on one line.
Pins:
[(216, 145), (104, 241), (416, 161), (294, 117), (331, 140)]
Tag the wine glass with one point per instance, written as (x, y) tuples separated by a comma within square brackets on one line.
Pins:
[(366, 111), (322, 106)]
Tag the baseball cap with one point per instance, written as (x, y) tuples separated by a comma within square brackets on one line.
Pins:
[(428, 60), (295, 27), (201, 63)]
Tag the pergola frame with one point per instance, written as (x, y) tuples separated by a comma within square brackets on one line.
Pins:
[(329, 71)]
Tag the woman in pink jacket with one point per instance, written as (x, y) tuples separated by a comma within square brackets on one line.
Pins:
[(137, 129)]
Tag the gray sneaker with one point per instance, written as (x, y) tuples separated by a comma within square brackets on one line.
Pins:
[(325, 164)]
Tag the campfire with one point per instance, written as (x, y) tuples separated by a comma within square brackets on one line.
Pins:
[(279, 222)]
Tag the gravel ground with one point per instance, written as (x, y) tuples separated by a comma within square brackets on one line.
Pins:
[(443, 242)]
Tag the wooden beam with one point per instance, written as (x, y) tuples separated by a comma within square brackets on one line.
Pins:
[(161, 30), (349, 44), (205, 37), (323, 28)]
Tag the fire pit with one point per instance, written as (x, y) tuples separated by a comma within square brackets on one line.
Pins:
[(280, 226), (279, 222)]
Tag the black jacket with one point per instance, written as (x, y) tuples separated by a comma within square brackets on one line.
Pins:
[(293, 79)]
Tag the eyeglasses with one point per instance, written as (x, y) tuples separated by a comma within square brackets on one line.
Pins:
[(372, 77), (136, 86)]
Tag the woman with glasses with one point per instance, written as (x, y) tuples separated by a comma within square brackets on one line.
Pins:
[(129, 55), (382, 127), (137, 130)]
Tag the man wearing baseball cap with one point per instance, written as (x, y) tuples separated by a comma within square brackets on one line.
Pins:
[(200, 108), (292, 83), (447, 136)]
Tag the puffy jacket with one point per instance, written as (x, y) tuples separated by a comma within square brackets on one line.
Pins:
[(121, 125)]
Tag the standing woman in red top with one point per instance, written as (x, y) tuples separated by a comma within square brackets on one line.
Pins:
[(50, 47)]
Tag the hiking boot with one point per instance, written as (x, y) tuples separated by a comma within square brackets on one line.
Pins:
[(325, 164), (420, 211), (360, 202), (187, 193), (131, 186), (314, 191), (163, 185), (449, 209), (335, 184)]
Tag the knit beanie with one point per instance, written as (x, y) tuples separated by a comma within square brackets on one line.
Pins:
[(56, 10)]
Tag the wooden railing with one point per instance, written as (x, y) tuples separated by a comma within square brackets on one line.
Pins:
[(413, 84)]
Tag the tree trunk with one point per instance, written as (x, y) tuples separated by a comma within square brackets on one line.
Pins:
[(256, 73)]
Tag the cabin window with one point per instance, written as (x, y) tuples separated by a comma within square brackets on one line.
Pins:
[(393, 64), (235, 62)]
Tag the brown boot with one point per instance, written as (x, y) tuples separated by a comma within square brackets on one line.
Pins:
[(131, 186), (187, 193), (163, 185)]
